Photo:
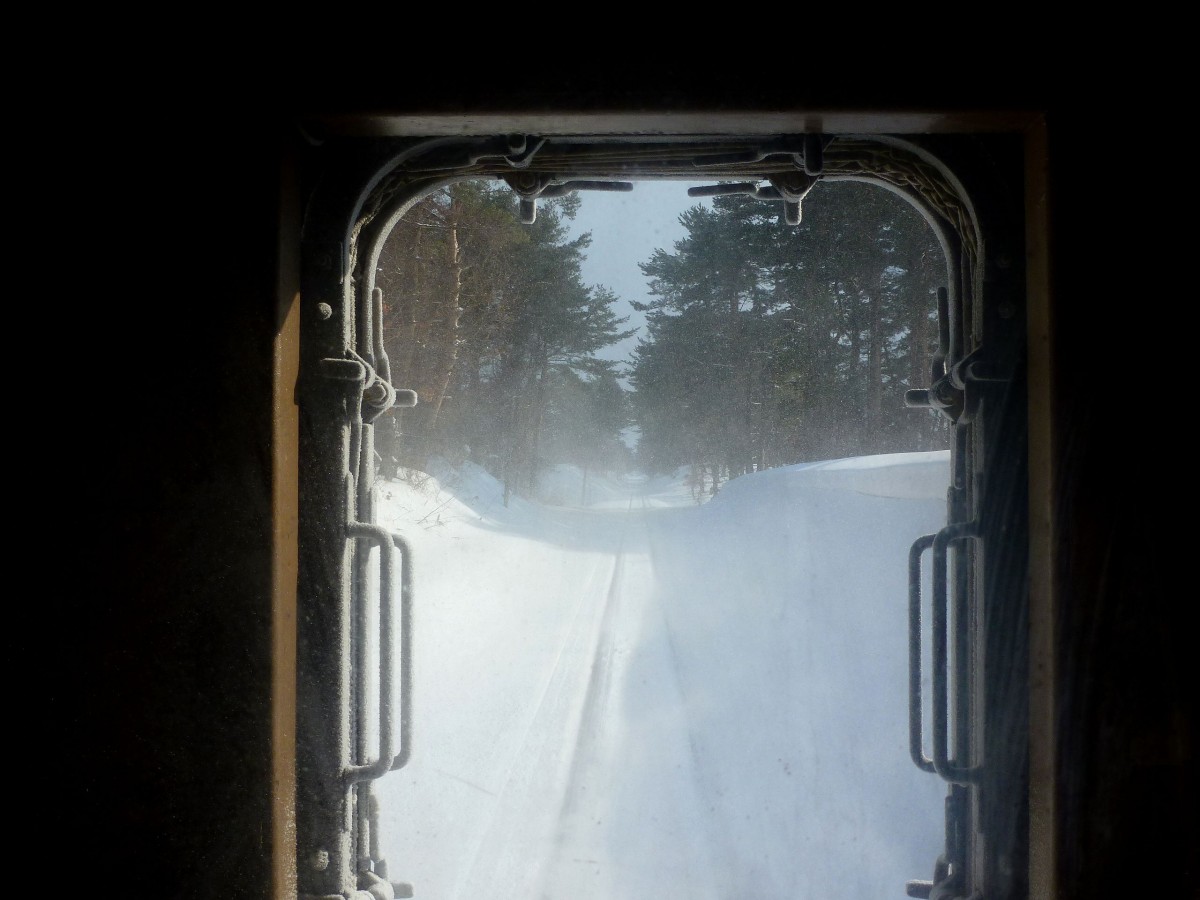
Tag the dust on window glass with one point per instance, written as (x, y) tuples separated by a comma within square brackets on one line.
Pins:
[(661, 485)]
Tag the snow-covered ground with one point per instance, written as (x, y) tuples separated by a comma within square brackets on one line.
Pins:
[(620, 693)]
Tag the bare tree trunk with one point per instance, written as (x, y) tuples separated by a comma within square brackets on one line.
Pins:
[(851, 417), (407, 309), (453, 310), (512, 429), (874, 369), (539, 415)]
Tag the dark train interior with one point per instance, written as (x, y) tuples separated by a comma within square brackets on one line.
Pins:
[(177, 709)]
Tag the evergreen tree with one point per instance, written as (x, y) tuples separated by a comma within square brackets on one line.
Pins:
[(586, 417), (768, 344), (485, 317)]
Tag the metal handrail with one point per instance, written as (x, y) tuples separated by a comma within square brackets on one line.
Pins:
[(406, 606), (948, 770), (920, 545), (383, 763)]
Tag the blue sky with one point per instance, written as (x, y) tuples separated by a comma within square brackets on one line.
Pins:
[(626, 229)]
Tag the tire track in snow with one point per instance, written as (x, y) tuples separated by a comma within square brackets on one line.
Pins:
[(591, 721), (590, 731), (624, 746), (512, 849), (713, 846)]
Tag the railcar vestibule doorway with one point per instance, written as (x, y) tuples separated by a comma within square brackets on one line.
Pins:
[(974, 376)]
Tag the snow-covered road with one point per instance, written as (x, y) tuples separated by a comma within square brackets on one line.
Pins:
[(649, 698)]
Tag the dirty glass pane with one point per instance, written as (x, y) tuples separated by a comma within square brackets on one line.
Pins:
[(661, 488)]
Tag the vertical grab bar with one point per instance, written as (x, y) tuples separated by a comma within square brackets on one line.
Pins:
[(923, 543), (383, 763), (951, 772), (406, 591)]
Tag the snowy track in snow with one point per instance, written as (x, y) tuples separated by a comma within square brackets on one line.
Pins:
[(647, 698), (600, 848)]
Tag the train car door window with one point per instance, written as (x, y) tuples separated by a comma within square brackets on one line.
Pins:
[(452, 362)]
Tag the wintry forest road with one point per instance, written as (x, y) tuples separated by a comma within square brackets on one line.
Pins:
[(553, 755), (648, 698), (633, 723), (570, 820)]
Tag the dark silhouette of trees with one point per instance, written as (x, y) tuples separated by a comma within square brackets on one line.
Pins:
[(766, 344), (489, 321), (769, 344)]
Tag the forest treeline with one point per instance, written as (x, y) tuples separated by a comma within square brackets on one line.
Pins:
[(765, 344)]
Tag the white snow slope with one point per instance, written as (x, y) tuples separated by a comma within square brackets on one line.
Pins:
[(646, 697)]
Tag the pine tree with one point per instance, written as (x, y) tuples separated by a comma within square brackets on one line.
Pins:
[(768, 343), (487, 318)]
